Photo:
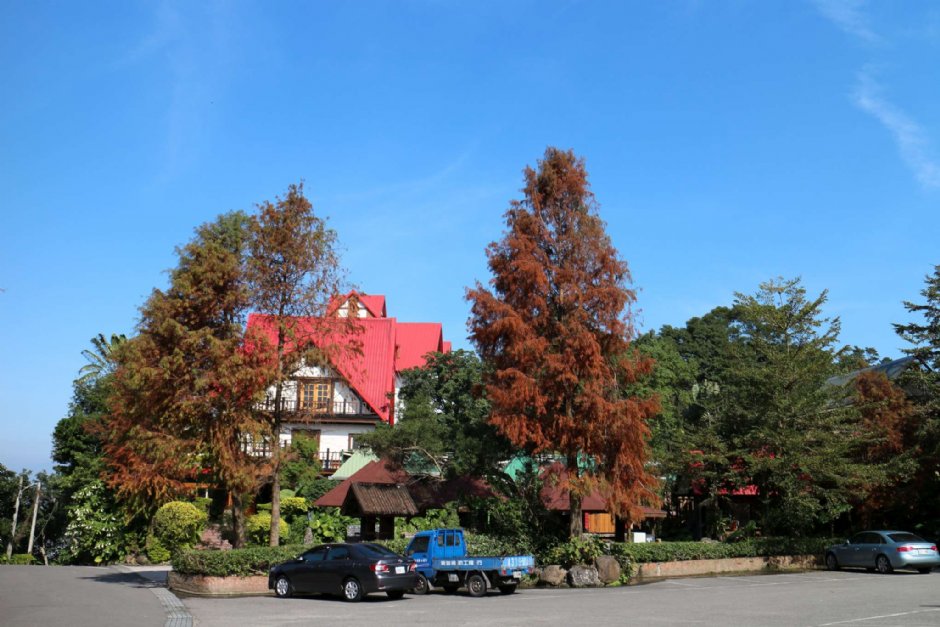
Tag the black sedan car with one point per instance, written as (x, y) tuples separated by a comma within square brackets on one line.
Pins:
[(349, 570)]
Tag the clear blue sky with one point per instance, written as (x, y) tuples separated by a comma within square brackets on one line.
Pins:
[(728, 142)]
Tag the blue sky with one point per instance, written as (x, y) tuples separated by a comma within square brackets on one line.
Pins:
[(728, 142)]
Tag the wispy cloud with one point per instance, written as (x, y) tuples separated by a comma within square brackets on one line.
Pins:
[(911, 139), (849, 15)]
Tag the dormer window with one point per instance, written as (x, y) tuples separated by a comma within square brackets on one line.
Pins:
[(316, 395)]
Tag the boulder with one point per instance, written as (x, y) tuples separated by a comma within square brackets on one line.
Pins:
[(581, 576), (552, 575), (608, 569)]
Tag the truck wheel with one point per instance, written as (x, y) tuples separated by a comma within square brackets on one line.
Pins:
[(508, 588), (451, 589), (476, 585), (423, 586)]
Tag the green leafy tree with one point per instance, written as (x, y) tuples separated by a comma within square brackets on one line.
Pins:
[(921, 382), (444, 419), (787, 432), (96, 533)]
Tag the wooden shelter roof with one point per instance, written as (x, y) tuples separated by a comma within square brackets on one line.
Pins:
[(378, 499)]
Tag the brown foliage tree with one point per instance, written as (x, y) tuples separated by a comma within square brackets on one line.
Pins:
[(293, 272), (184, 387), (888, 421), (554, 333)]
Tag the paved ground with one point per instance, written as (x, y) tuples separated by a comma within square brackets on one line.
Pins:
[(810, 599), (77, 596), (80, 596)]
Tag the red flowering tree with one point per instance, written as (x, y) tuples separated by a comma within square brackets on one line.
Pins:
[(554, 330)]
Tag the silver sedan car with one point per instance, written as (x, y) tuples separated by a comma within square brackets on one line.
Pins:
[(884, 551)]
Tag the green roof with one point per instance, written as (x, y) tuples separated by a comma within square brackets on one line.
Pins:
[(353, 465)]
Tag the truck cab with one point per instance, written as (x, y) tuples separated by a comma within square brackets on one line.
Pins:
[(442, 561)]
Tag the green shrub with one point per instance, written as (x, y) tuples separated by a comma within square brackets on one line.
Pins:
[(751, 547), (298, 529), (203, 504), (235, 562), (175, 526), (19, 559), (293, 507), (263, 507), (329, 524), (156, 552), (432, 519), (582, 550), (287, 494), (259, 528), (96, 531)]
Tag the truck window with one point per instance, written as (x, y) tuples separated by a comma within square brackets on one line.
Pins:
[(440, 539), (419, 545), (452, 539)]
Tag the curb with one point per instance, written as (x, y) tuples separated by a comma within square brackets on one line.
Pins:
[(176, 613)]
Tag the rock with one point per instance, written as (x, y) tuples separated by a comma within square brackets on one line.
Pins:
[(608, 569), (552, 575), (581, 576), (308, 536)]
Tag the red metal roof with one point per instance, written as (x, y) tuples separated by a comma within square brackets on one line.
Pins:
[(374, 303), (415, 340), (387, 346)]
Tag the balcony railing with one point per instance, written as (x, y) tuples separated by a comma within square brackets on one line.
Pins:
[(323, 408)]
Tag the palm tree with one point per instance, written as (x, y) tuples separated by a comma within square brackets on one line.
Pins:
[(101, 359)]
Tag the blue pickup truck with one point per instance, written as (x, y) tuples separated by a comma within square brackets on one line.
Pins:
[(441, 556)]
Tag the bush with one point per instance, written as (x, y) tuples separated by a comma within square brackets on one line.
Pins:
[(752, 547), (175, 526), (235, 562), (259, 528), (203, 504), (156, 552), (96, 531), (445, 518), (19, 559), (329, 525), (582, 550), (293, 507)]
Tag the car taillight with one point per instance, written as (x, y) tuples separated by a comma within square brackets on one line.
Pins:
[(933, 548), (413, 567), (379, 568), (903, 549)]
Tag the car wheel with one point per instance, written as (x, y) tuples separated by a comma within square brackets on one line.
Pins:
[(394, 595), (451, 589), (882, 565), (831, 562), (924, 571), (282, 587), (508, 589), (423, 586), (476, 585), (352, 590)]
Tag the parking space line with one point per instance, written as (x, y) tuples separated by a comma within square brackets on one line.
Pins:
[(860, 620)]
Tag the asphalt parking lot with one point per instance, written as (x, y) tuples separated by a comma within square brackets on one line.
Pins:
[(818, 598)]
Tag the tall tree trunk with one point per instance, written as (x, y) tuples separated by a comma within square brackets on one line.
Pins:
[(575, 527), (239, 535), (276, 438)]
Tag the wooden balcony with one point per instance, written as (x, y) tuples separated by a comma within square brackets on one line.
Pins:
[(310, 410)]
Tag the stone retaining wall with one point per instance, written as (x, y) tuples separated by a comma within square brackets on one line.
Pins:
[(691, 568), (217, 586)]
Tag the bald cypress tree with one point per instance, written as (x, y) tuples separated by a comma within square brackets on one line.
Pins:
[(554, 331)]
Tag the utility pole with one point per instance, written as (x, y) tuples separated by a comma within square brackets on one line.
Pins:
[(32, 529), (16, 511)]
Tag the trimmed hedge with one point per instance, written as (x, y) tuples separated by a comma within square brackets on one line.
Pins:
[(236, 562), (752, 547)]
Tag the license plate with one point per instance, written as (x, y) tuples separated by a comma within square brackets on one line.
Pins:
[(399, 570), (517, 574), (924, 552)]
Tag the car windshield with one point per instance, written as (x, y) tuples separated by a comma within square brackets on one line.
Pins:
[(377, 551), (905, 537)]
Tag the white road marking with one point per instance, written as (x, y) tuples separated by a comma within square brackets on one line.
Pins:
[(860, 620)]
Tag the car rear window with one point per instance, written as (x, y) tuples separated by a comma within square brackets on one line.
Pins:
[(376, 551), (905, 537)]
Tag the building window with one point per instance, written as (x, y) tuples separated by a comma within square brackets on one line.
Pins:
[(316, 395)]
